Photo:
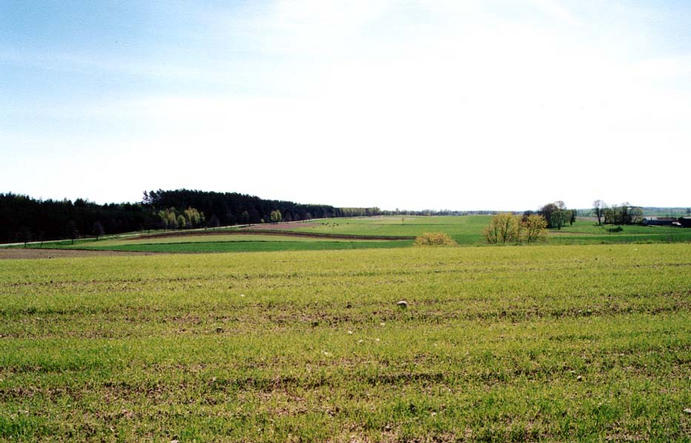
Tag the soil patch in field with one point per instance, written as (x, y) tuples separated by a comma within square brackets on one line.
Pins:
[(283, 226), (15, 253)]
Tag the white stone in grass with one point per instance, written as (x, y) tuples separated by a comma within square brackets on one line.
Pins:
[(402, 304), (687, 410)]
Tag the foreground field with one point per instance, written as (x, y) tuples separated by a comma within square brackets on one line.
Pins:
[(561, 342)]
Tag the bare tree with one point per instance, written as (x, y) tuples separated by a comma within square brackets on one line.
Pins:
[(98, 230), (72, 230), (599, 208)]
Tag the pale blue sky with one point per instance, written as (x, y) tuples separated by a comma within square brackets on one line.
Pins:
[(456, 104)]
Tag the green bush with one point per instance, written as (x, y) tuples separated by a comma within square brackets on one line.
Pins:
[(434, 239)]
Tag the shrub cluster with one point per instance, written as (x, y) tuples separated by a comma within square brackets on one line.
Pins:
[(434, 239)]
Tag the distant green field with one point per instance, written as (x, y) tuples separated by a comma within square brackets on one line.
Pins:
[(556, 343), (242, 245), (588, 227), (587, 232), (207, 238), (225, 243), (466, 230)]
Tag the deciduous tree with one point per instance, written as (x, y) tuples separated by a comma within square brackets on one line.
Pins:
[(503, 228), (556, 214), (182, 223), (276, 216), (98, 230), (72, 230), (534, 228), (599, 208)]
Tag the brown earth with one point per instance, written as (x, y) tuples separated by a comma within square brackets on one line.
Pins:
[(282, 226), (327, 235), (15, 253)]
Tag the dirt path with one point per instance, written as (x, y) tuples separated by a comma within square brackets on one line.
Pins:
[(15, 253)]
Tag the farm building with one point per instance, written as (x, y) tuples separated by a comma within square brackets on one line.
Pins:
[(659, 221)]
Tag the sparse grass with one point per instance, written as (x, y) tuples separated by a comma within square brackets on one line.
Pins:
[(511, 343)]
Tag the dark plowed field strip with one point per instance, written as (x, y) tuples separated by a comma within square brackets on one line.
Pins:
[(276, 232)]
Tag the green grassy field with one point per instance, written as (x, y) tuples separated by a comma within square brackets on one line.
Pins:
[(206, 238), (512, 343), (240, 245), (225, 243), (466, 231), (587, 232)]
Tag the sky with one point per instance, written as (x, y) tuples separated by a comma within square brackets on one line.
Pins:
[(438, 104)]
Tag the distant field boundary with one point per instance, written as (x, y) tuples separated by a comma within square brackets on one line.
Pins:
[(280, 233)]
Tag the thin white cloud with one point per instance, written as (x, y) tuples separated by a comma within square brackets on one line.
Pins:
[(556, 9), (85, 63), (665, 67), (442, 104)]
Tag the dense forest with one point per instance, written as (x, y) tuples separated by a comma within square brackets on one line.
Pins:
[(229, 208), (24, 219)]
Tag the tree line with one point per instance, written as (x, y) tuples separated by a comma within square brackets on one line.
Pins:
[(230, 208), (25, 219), (623, 214), (557, 215)]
